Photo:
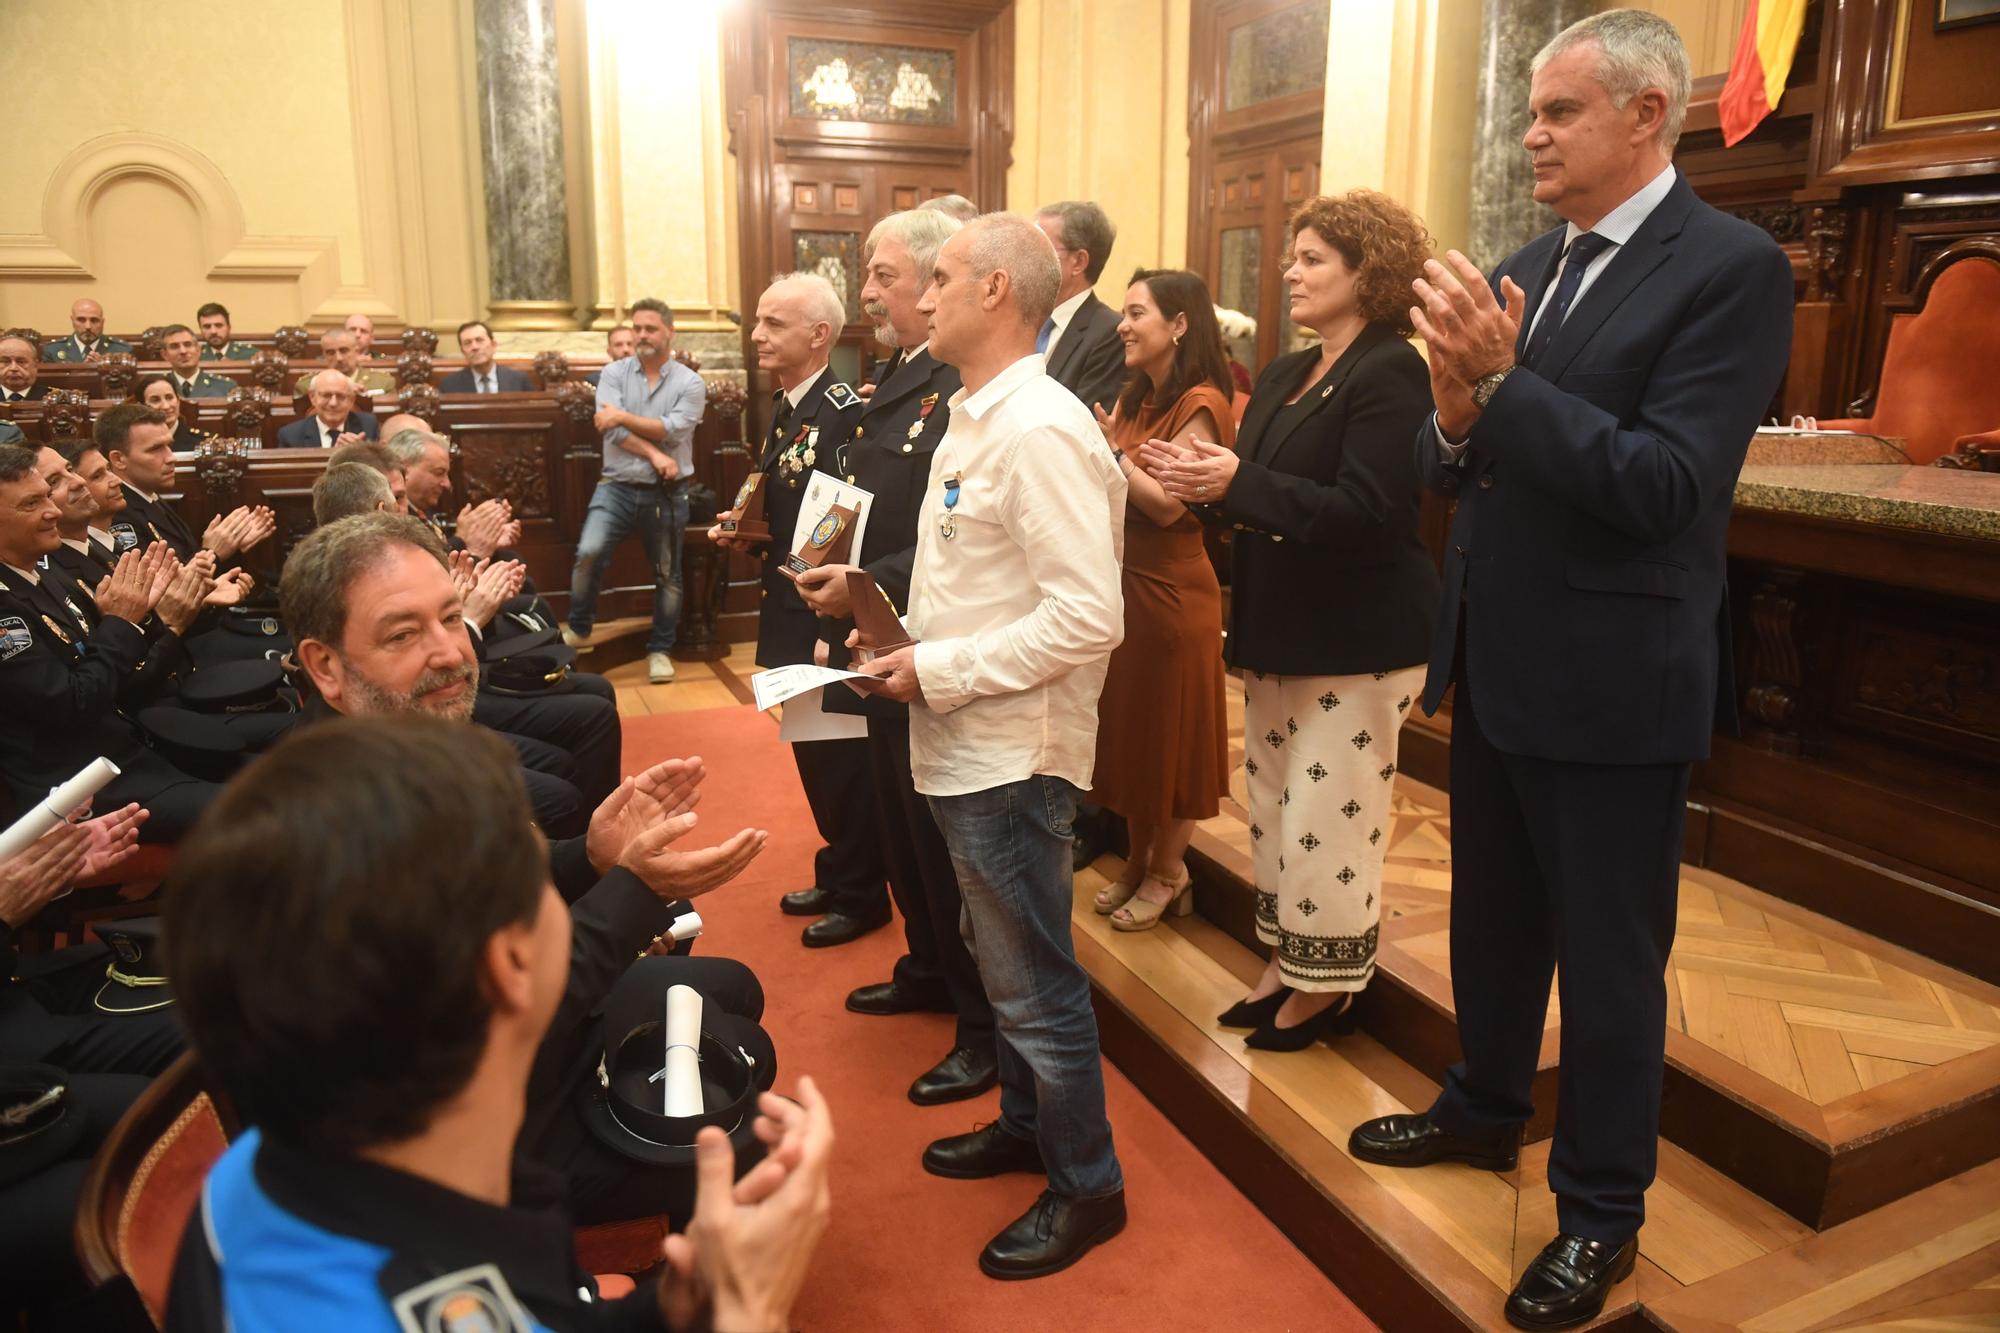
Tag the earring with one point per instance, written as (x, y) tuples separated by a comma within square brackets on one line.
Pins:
[(1177, 340)]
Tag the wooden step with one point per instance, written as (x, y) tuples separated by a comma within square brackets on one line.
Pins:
[(1829, 1071), (1440, 1247)]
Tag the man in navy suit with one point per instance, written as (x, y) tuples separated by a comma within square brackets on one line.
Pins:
[(1594, 406), (334, 421), (481, 375)]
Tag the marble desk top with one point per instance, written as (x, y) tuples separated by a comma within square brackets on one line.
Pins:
[(1932, 499)]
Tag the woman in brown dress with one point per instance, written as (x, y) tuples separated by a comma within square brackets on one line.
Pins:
[(1162, 742)]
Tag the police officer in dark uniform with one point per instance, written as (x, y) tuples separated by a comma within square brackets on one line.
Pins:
[(799, 318), (63, 675), (890, 458), (138, 444)]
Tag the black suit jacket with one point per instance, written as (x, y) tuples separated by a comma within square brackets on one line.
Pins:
[(1089, 360), (1328, 576), (786, 626), (36, 392), (62, 676), (1595, 493), (304, 433), (506, 378), (890, 458), (143, 522)]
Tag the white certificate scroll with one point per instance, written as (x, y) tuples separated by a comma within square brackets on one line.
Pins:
[(683, 1067)]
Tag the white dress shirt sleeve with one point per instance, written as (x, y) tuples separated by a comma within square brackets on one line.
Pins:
[(1060, 511)]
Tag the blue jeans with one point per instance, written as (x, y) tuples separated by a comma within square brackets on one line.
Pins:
[(1011, 847), (616, 512)]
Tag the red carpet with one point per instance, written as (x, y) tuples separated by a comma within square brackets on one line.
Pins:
[(902, 1252)]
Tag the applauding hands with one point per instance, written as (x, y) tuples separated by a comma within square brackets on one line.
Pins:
[(638, 824), (155, 580), (488, 527), (238, 531)]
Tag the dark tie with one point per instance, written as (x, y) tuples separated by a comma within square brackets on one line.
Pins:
[(781, 416), (1586, 247)]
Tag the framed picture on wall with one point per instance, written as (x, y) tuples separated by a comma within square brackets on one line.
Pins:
[(1963, 13)]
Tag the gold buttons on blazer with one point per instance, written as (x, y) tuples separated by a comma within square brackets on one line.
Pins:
[(1486, 481), (859, 432)]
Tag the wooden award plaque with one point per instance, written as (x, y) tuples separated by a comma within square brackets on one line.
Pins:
[(826, 544), (745, 519), (877, 630)]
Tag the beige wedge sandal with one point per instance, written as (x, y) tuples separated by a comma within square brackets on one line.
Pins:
[(1138, 914)]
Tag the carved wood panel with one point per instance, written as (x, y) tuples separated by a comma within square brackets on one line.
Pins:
[(846, 113)]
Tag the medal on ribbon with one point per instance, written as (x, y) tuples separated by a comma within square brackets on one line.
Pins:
[(948, 521)]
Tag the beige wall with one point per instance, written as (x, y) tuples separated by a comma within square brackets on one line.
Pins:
[(297, 162), (663, 182), (1709, 27), (1100, 112), (1401, 84)]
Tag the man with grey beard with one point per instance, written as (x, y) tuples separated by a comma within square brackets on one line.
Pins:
[(380, 628)]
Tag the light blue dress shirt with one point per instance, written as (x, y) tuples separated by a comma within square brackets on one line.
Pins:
[(678, 400)]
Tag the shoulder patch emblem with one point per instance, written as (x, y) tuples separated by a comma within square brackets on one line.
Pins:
[(15, 638), (124, 537), (472, 1300), (841, 396)]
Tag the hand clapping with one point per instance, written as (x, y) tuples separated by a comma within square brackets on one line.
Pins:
[(1199, 472), (1470, 335)]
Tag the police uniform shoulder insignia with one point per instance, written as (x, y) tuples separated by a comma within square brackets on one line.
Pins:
[(841, 396), (124, 537), (472, 1300), (15, 637)]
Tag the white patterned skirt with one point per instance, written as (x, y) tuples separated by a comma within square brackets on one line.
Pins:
[(1319, 754)]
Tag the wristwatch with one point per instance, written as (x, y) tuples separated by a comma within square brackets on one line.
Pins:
[(1488, 385)]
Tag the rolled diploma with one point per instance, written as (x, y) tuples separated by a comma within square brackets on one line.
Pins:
[(685, 927), (683, 1044), (55, 808)]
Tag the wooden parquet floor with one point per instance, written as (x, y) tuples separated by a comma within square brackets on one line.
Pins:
[(1766, 988), (1713, 1255)]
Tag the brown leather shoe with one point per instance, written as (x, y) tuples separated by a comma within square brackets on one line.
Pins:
[(1412, 1140)]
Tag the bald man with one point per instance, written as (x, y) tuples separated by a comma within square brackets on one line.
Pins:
[(334, 421), (86, 341), (363, 329), (342, 352)]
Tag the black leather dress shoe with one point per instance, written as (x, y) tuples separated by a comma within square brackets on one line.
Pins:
[(986, 1151), (887, 997), (962, 1074), (1052, 1235), (1565, 1285), (1412, 1140), (840, 928), (814, 901)]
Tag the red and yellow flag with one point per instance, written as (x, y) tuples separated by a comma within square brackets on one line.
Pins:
[(1764, 54)]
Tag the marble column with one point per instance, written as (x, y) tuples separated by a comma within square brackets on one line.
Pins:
[(1505, 215), (521, 137)]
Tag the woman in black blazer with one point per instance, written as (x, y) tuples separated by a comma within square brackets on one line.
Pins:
[(157, 392), (1331, 601)]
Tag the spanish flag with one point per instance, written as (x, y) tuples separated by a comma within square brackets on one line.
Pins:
[(1763, 58)]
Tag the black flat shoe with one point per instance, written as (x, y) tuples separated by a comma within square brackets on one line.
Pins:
[(806, 902), (839, 928), (1052, 1235), (1336, 1020), (1566, 1284), (888, 997), (1412, 1140), (986, 1151), (1254, 1013), (963, 1073)]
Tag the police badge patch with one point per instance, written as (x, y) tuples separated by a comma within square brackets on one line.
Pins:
[(472, 1300), (124, 537), (841, 396), (14, 638)]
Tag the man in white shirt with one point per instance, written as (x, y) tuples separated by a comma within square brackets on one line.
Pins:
[(1015, 608), (334, 421), (19, 369)]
